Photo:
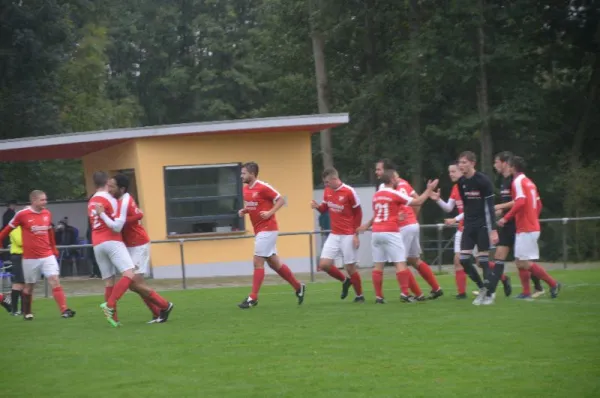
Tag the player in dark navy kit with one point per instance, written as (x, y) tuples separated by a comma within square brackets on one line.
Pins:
[(507, 234), (477, 193)]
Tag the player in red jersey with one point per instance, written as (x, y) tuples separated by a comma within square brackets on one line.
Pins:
[(39, 252), (345, 212), (109, 249), (410, 230), (261, 202), (526, 210), (387, 243), (138, 245)]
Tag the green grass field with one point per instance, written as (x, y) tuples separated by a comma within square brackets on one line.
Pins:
[(324, 348)]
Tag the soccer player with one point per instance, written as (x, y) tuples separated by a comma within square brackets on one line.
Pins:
[(506, 234), (410, 230), (39, 252), (345, 212), (526, 211), (109, 249), (261, 202), (18, 279), (387, 243), (477, 193), (138, 245)]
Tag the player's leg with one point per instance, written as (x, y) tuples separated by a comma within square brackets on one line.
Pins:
[(5, 301), (18, 283), (350, 260), (107, 272), (31, 274), (331, 250), (286, 273), (121, 261), (407, 240), (486, 294), (459, 273), (467, 244), (50, 270), (396, 253), (258, 277), (379, 260), (527, 250), (412, 244)]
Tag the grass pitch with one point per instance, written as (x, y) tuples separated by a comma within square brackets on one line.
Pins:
[(324, 348)]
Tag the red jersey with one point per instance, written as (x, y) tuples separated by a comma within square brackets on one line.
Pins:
[(101, 232), (526, 207), (410, 217), (455, 195), (258, 197), (343, 204), (387, 203), (134, 233), (36, 229)]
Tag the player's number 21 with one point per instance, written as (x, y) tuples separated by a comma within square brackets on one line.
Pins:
[(382, 212)]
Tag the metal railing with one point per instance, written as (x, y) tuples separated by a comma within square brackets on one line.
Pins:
[(442, 245)]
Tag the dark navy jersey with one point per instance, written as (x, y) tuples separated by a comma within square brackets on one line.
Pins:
[(506, 189), (477, 194)]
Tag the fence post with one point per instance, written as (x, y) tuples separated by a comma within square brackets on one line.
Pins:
[(312, 257), (564, 242), (440, 228), (183, 280)]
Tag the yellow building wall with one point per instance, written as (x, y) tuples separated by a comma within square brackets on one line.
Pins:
[(118, 157), (285, 162)]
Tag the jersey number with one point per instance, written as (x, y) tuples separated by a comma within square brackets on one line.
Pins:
[(95, 220), (382, 212)]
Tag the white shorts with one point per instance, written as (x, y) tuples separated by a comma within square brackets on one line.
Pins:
[(140, 256), (412, 240), (32, 267), (387, 246), (112, 256), (457, 239), (265, 244), (340, 245), (526, 246)]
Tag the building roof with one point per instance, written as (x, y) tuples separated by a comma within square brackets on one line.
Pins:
[(76, 145)]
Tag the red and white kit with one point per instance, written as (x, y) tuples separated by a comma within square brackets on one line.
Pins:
[(258, 197), (387, 243), (135, 237), (409, 226), (526, 211), (455, 200), (109, 249), (345, 214), (39, 248)]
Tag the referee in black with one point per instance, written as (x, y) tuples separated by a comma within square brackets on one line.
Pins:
[(477, 193)]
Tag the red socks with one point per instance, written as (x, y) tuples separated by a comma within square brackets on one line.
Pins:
[(157, 300), (539, 272), (357, 283), (335, 273), (427, 274), (378, 282), (413, 285), (525, 277), (151, 306), (107, 292), (59, 297), (461, 281), (118, 291), (286, 274), (26, 300), (257, 281), (403, 278)]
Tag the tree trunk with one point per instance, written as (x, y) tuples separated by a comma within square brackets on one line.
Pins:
[(416, 159), (485, 134), (318, 45)]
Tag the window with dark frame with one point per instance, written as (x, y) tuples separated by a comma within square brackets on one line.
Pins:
[(203, 198)]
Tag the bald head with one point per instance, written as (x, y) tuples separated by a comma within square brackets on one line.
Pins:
[(38, 199)]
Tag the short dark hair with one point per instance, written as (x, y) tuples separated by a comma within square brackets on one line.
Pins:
[(387, 164), (518, 163), (470, 156), (330, 172), (504, 156), (251, 167), (122, 181), (100, 179), (387, 177)]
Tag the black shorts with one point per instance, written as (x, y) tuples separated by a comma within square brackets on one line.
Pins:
[(17, 268), (507, 235), (472, 236)]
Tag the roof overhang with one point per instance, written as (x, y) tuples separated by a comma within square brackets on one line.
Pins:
[(77, 145)]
